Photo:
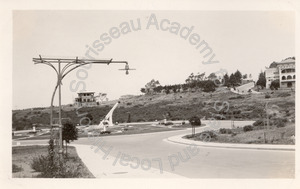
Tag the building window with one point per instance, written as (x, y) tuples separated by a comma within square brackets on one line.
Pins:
[(294, 77), (289, 77), (289, 84), (283, 78)]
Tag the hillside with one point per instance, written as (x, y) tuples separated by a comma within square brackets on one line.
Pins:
[(180, 105)]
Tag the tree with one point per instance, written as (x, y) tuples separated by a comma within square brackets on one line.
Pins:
[(209, 86), (195, 121), (232, 80), (275, 84), (167, 91), (69, 133), (149, 87), (212, 76), (238, 76), (158, 89), (143, 90), (200, 77), (261, 80), (226, 80), (245, 76), (90, 116)]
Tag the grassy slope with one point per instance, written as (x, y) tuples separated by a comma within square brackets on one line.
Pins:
[(180, 106)]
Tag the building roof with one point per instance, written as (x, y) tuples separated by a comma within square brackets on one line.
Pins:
[(286, 61), (86, 92), (273, 65)]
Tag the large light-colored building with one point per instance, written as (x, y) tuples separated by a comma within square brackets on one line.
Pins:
[(284, 71)]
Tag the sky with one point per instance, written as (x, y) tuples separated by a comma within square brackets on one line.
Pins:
[(167, 47)]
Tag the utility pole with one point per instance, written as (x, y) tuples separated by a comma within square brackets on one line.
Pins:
[(70, 65)]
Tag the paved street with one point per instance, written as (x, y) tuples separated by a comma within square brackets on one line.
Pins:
[(182, 160)]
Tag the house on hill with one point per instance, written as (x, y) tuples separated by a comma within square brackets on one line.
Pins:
[(85, 99), (284, 71)]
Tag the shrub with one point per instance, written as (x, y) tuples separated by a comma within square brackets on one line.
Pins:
[(283, 94), (189, 136), (169, 123), (16, 168), (279, 122), (225, 131), (141, 120), (248, 128), (195, 121), (105, 132), (275, 84), (233, 134), (236, 97), (267, 96), (236, 111), (258, 123), (209, 86), (54, 169), (212, 134), (40, 163)]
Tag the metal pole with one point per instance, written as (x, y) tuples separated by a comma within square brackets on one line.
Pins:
[(267, 116), (51, 110), (59, 111)]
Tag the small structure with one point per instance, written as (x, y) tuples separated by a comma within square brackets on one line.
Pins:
[(85, 99)]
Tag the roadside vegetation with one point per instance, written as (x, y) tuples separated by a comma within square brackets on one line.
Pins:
[(281, 132), (35, 161)]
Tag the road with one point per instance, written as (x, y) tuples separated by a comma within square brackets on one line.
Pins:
[(181, 160)]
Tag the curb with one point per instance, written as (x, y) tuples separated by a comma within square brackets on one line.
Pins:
[(179, 140)]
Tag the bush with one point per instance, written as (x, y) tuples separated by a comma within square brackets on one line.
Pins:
[(275, 84), (267, 96), (40, 163), (236, 111), (209, 86), (169, 123), (248, 128), (55, 168), (212, 134), (283, 94), (195, 121), (105, 132), (237, 97), (16, 168), (52, 166), (189, 136), (225, 131), (258, 123), (279, 122)]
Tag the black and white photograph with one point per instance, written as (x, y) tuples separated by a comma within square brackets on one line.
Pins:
[(152, 94)]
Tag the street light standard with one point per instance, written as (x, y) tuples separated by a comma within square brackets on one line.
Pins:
[(69, 65)]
